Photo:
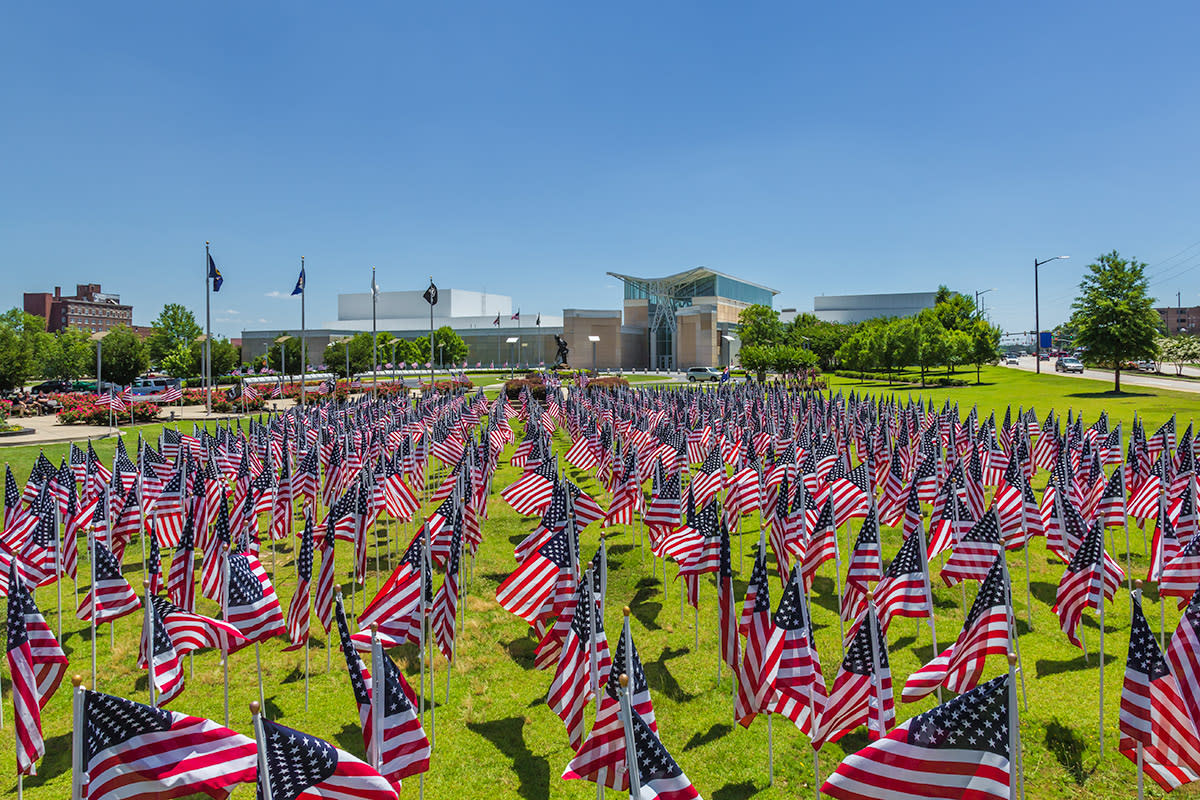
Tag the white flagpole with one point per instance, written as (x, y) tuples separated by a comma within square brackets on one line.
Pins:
[(1135, 597), (1102, 604), (92, 562), (1012, 629), (1016, 765), (378, 687), (635, 780), (875, 664), (58, 568), (148, 641), (260, 739), (225, 617), (79, 777), (374, 346), (929, 596), (207, 340), (303, 333)]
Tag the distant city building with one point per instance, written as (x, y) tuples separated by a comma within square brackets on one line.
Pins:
[(862, 307), (674, 322), (89, 309), (1180, 320)]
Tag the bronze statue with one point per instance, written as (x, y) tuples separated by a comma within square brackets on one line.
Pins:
[(561, 360)]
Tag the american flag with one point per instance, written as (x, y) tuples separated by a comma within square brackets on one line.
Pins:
[(985, 632), (167, 512), (181, 577), (576, 678), (864, 680), (303, 767), (602, 758), (36, 665), (822, 544), (405, 748), (136, 752), (1165, 548), (975, 551), (659, 777), (866, 565), (1091, 576), (1111, 505), (190, 631), (958, 749), (396, 608), (157, 654), (666, 502), (250, 602), (531, 493), (902, 592), (711, 477), (18, 521), (764, 646), (799, 690), (1183, 658), (1153, 712), (726, 603), (298, 613), (445, 602), (322, 605), (528, 588), (110, 594)]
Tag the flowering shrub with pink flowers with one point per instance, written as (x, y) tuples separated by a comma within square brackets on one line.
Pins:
[(77, 407)]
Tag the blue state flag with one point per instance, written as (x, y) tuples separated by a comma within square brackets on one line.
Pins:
[(299, 283), (214, 275)]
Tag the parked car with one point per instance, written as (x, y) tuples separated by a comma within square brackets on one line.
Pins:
[(703, 374), (1068, 364), (1012, 361), (50, 387), (154, 385), (1147, 366)]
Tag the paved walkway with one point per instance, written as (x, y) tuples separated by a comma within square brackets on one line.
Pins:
[(1127, 378)]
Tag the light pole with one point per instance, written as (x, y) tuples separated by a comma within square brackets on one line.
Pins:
[(512, 354), (394, 343), (979, 294), (594, 340), (523, 346), (729, 349), (1037, 321), (282, 342), (98, 338)]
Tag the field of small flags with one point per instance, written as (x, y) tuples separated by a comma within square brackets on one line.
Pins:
[(804, 540)]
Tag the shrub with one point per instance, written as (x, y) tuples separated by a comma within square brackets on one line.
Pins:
[(83, 409), (513, 388), (5, 410)]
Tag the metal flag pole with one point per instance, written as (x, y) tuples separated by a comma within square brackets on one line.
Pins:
[(928, 596), (635, 781), (432, 302), (225, 617), (378, 688), (148, 641), (374, 343), (207, 342), (260, 739), (1012, 631), (79, 777), (1016, 764), (1135, 598), (92, 588), (303, 333), (1102, 604)]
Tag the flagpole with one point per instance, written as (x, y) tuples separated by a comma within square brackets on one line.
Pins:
[(374, 359), (148, 641), (378, 687), (635, 780), (929, 596), (78, 776), (430, 340), (303, 333), (1135, 598), (207, 339), (92, 589), (225, 617), (260, 739), (1016, 765), (1102, 604)]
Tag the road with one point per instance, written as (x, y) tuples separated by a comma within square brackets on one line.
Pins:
[(1127, 378)]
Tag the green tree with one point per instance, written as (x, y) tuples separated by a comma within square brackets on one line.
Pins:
[(449, 346), (123, 356), (759, 325), (789, 359), (291, 355), (68, 355), (856, 354), (224, 357), (820, 337), (360, 353), (21, 339), (1114, 314), (175, 326), (985, 344), (178, 362), (955, 311), (757, 358), (958, 349), (931, 342)]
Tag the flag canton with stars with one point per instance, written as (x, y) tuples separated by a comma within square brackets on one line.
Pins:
[(161, 641), (555, 550), (1090, 552), (859, 655), (107, 568), (353, 663), (992, 593), (760, 584), (110, 721), (19, 602), (304, 562), (295, 761), (1144, 655), (708, 522), (907, 560), (654, 763), (581, 622), (977, 720), (790, 616), (395, 701), (637, 677), (986, 530), (869, 533), (244, 586)]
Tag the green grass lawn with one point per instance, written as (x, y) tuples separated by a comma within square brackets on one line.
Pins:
[(495, 736)]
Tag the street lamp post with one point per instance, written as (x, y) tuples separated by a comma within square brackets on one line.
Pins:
[(978, 296), (512, 354), (594, 340), (98, 338), (394, 343), (1037, 321), (523, 346), (282, 342)]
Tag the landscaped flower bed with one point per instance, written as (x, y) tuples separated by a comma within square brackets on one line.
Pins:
[(80, 408)]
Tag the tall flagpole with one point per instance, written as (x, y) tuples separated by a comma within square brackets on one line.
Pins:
[(431, 362), (207, 336), (303, 337), (374, 335)]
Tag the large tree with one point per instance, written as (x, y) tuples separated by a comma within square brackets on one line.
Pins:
[(224, 357), (175, 326), (985, 344), (123, 356), (68, 355), (291, 355), (1114, 314), (22, 337), (759, 325), (449, 346)]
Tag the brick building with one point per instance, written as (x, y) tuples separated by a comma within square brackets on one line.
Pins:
[(89, 309), (1180, 320)]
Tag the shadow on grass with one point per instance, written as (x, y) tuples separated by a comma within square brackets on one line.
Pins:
[(508, 737), (660, 679), (714, 733), (1067, 747), (1045, 667), (271, 709), (619, 549), (735, 791), (1044, 592), (350, 739), (522, 651), (1109, 395), (56, 761), (853, 742), (643, 608)]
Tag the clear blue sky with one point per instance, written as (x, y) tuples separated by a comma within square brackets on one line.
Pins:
[(528, 147)]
